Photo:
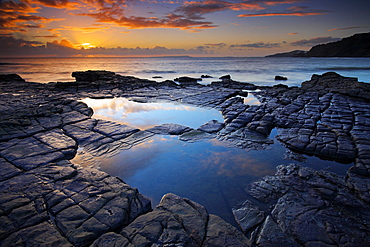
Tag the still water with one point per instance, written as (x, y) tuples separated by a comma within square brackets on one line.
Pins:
[(147, 115), (210, 172)]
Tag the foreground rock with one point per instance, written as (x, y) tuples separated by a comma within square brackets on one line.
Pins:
[(47, 200), (306, 208), (176, 222)]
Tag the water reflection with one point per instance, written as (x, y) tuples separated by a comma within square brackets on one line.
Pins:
[(146, 115), (209, 172), (251, 99)]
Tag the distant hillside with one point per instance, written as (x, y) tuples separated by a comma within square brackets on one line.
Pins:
[(357, 45), (296, 53)]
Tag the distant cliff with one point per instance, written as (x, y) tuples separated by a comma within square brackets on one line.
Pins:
[(296, 53), (357, 45)]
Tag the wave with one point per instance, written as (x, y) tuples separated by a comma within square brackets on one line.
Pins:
[(159, 71), (345, 68)]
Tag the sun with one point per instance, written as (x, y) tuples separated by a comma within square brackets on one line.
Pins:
[(86, 46)]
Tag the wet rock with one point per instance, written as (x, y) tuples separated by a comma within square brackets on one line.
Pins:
[(225, 77), (206, 76), (304, 212), (280, 78), (248, 216), (195, 135), (93, 75), (188, 81), (176, 221), (228, 83), (169, 129), (44, 195), (212, 126)]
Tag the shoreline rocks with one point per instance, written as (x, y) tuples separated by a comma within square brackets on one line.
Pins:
[(46, 199)]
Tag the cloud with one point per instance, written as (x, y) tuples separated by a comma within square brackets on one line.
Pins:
[(291, 11), (194, 8), (217, 46), (292, 33), (20, 47), (254, 45), (80, 29), (137, 22), (46, 36), (314, 41), (18, 17), (346, 28)]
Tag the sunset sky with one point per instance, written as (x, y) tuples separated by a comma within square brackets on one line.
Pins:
[(175, 27)]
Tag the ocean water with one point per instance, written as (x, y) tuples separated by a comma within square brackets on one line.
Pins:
[(260, 71)]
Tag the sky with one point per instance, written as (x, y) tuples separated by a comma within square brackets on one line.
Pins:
[(250, 28)]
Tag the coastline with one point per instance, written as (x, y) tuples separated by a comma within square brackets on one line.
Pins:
[(43, 192)]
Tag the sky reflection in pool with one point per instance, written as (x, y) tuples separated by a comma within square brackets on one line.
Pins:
[(208, 172), (146, 115)]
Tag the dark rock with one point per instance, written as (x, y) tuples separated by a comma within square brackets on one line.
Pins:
[(169, 129), (225, 77), (176, 221), (43, 194), (93, 75), (281, 78), (168, 83), (185, 79), (11, 77), (303, 211), (248, 216), (228, 83), (212, 126), (206, 76), (156, 77), (195, 135)]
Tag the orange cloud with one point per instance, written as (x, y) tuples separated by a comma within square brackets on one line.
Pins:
[(81, 29), (277, 2), (18, 17), (137, 22)]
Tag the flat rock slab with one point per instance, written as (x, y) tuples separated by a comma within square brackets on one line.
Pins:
[(308, 208), (47, 200)]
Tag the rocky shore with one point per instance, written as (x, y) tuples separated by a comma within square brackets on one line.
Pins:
[(46, 200)]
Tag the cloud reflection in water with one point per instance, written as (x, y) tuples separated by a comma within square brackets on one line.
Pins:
[(146, 115)]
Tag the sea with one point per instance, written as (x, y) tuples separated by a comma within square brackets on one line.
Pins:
[(256, 70)]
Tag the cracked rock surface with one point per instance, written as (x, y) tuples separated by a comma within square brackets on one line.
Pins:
[(48, 201)]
